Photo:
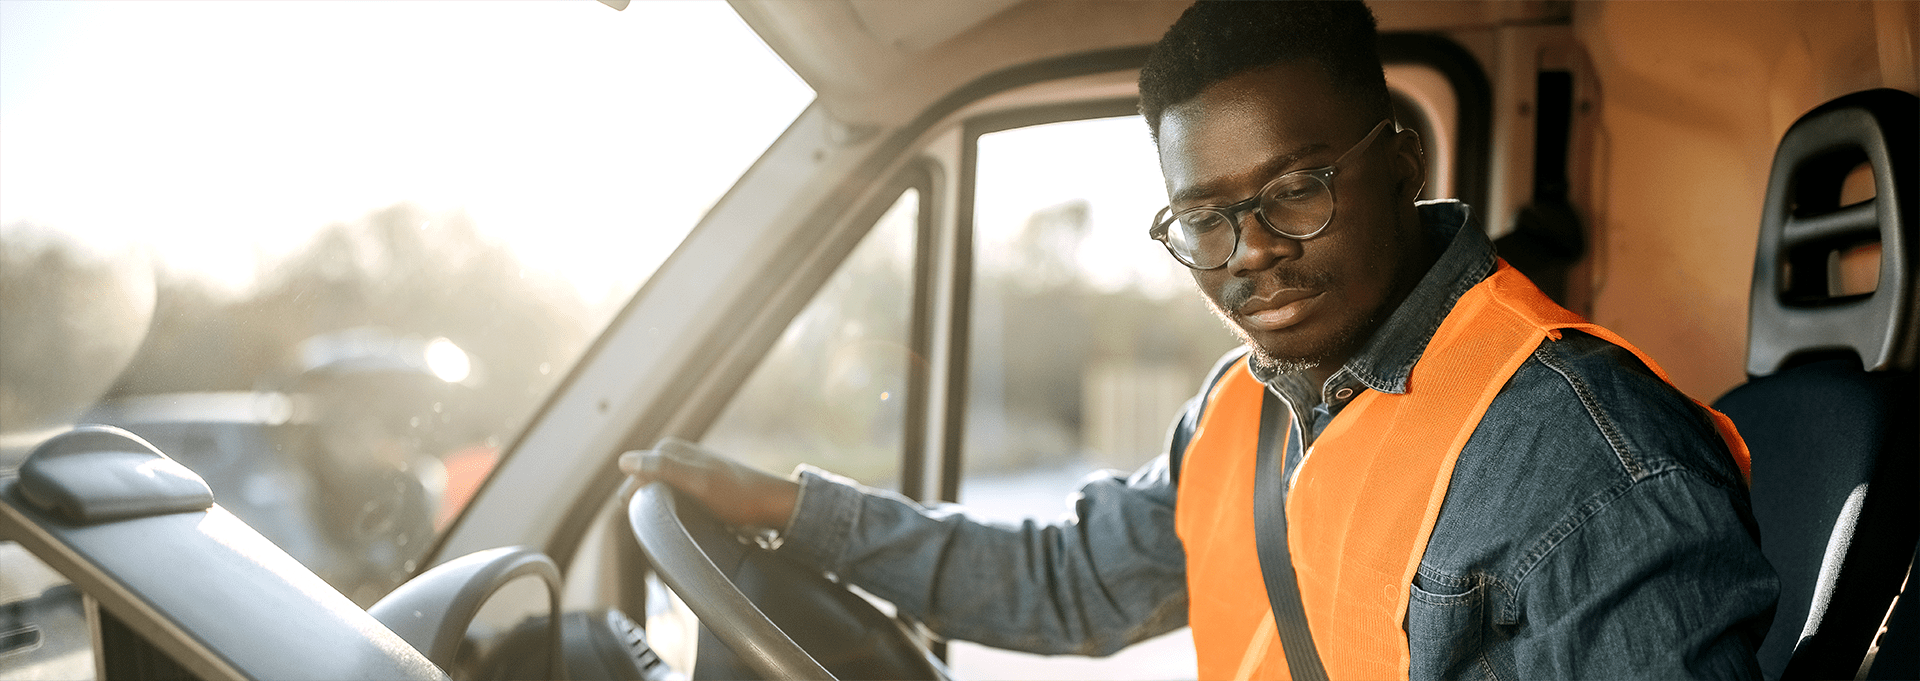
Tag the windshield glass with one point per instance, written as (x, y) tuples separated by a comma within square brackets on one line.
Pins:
[(332, 255)]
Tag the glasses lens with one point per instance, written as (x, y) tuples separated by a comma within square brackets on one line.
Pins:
[(1297, 204), (1204, 238)]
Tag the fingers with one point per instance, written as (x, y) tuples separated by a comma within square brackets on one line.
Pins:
[(655, 465), (631, 463), (678, 463), (737, 493), (668, 460)]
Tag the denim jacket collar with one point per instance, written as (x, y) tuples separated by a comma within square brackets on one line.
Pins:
[(1386, 360)]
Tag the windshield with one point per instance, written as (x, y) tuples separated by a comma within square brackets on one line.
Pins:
[(332, 255)]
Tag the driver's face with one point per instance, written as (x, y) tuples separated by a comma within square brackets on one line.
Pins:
[(1298, 304)]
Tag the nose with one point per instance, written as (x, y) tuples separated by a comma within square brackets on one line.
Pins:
[(1260, 247)]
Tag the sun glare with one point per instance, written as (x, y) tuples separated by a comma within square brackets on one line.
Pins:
[(448, 361)]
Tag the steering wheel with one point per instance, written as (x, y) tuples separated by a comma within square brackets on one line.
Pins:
[(433, 610), (703, 562)]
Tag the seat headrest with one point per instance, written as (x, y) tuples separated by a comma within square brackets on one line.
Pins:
[(1794, 309)]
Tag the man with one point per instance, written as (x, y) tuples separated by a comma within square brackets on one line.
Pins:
[(1419, 467)]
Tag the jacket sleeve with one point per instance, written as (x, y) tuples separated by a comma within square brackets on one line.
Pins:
[(1661, 581), (1108, 573)]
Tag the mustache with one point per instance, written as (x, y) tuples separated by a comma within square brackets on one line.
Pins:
[(1236, 293)]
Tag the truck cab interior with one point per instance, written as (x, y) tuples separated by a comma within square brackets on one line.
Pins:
[(895, 288)]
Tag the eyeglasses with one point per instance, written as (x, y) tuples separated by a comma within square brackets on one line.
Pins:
[(1297, 205)]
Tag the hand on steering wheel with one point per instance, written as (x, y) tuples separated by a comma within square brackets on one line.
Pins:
[(735, 493), (849, 635)]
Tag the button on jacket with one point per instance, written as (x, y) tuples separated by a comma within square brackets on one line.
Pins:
[(1595, 525)]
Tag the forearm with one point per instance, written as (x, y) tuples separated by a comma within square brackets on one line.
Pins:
[(1109, 575)]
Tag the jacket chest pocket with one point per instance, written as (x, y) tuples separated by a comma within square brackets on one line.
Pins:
[(1446, 628)]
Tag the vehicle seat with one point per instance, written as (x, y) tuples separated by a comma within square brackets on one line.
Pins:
[(1830, 408)]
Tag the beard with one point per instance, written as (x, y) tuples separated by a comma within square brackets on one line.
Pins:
[(1263, 361), (1270, 361)]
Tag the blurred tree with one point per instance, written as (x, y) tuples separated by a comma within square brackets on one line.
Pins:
[(1042, 328), (1046, 252), (400, 269), (368, 442), (71, 315), (195, 343), (832, 390)]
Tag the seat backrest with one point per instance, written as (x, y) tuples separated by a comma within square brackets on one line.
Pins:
[(1830, 410)]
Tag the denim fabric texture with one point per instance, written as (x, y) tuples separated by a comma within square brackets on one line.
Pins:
[(1595, 525)]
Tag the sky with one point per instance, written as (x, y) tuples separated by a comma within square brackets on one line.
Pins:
[(221, 135)]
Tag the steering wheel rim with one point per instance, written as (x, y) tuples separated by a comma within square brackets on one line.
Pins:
[(433, 610), (654, 515)]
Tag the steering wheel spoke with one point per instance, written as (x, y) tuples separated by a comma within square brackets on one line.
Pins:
[(684, 566), (850, 637)]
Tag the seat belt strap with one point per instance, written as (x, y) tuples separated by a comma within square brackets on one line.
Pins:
[(1270, 527)]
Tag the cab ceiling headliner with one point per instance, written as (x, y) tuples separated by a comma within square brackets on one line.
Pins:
[(882, 61)]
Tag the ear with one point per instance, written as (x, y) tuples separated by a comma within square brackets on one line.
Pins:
[(1410, 162)]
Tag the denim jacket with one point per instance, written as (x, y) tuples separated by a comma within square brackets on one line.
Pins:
[(1595, 525)]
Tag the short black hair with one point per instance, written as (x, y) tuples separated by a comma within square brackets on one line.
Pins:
[(1218, 39)]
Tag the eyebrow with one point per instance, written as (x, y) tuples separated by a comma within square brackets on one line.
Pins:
[(1270, 170)]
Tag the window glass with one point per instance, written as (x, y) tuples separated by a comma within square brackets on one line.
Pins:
[(43, 621), (832, 391), (332, 255), (1423, 101), (1086, 339)]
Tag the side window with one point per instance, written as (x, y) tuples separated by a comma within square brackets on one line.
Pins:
[(43, 621), (1086, 337), (833, 390), (1438, 89), (1423, 100)]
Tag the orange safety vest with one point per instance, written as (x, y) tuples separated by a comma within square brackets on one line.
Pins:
[(1391, 455)]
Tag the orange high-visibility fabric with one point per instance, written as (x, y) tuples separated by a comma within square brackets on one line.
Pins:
[(1365, 498)]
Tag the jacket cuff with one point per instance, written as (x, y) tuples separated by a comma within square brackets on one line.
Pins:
[(823, 518)]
